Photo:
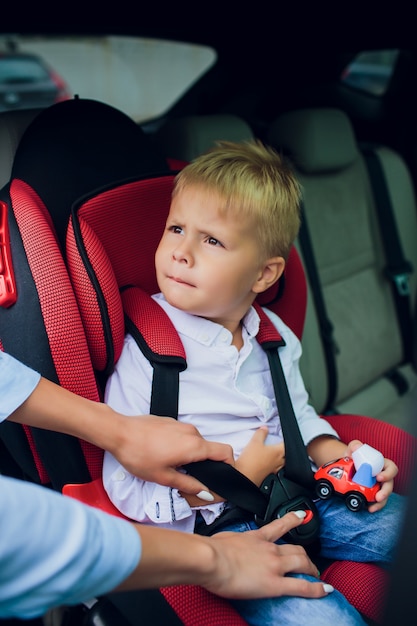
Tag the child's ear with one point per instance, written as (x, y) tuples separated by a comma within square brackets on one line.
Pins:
[(270, 272)]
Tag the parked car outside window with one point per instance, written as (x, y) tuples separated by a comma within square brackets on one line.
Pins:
[(26, 81), (142, 77), (371, 71)]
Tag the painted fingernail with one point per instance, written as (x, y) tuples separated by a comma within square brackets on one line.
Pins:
[(300, 514), (328, 588), (205, 495)]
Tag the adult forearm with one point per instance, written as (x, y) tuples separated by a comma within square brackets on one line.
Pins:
[(54, 408), (170, 557)]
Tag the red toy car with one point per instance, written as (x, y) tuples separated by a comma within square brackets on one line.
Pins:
[(337, 477)]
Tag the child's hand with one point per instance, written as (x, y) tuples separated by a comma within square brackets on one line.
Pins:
[(257, 460), (385, 476)]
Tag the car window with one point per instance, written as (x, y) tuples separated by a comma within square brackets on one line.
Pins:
[(14, 69), (142, 77), (371, 71), (336, 472)]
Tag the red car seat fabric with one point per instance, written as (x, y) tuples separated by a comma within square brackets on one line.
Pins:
[(42, 329)]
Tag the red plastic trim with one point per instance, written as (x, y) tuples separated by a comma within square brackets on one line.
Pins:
[(8, 292)]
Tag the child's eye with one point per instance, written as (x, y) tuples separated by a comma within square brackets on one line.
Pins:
[(176, 229), (214, 242)]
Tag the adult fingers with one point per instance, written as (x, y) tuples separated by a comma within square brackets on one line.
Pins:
[(184, 483), (279, 527), (290, 586)]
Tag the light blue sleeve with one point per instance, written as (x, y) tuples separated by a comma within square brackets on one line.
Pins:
[(16, 384), (56, 551)]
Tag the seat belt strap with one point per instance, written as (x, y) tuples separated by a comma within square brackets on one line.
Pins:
[(398, 268), (297, 464), (325, 324)]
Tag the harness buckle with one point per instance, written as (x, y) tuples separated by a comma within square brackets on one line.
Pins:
[(400, 278), (284, 496), (402, 284)]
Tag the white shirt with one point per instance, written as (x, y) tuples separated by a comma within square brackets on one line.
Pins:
[(225, 393)]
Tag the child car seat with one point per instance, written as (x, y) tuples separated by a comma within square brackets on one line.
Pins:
[(105, 210), (41, 324)]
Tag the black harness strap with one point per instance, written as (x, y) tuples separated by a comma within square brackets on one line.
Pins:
[(297, 465)]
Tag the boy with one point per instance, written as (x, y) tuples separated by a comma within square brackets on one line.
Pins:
[(233, 218)]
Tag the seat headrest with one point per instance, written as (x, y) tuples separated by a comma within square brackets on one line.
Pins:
[(77, 146), (317, 140), (12, 126), (189, 136)]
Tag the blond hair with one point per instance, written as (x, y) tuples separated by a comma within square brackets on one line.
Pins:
[(255, 182)]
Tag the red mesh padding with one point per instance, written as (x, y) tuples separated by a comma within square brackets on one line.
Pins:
[(195, 606), (103, 319), (146, 314), (267, 331), (131, 219), (393, 442), (59, 309), (363, 584), (292, 306)]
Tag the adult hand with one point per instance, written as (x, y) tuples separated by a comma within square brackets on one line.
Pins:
[(251, 565), (154, 449), (150, 447), (229, 564)]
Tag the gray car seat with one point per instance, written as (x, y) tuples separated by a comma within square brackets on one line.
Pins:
[(186, 137), (340, 211)]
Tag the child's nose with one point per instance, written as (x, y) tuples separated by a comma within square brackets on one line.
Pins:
[(182, 253)]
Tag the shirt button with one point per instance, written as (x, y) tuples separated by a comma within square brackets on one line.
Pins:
[(119, 475), (224, 336)]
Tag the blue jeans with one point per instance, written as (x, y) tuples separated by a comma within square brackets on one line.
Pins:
[(359, 536)]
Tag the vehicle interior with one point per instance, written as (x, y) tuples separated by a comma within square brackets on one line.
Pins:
[(335, 91)]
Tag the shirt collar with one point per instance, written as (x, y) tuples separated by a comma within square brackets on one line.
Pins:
[(201, 329)]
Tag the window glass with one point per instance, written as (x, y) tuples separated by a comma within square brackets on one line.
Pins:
[(371, 71), (142, 77), (14, 69)]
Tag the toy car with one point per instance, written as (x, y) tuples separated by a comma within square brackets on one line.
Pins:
[(337, 477)]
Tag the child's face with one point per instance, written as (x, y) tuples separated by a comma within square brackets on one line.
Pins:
[(207, 263)]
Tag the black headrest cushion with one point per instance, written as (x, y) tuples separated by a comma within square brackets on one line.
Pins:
[(77, 146)]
